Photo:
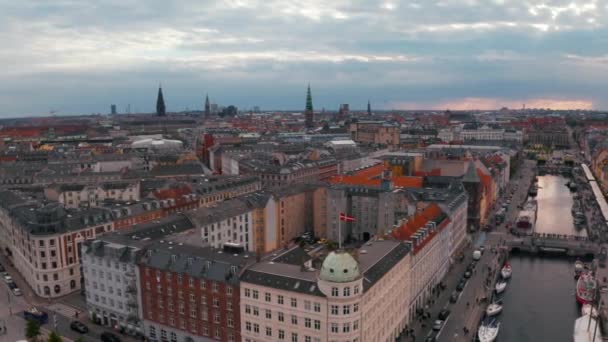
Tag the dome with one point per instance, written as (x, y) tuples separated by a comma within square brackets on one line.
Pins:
[(339, 267)]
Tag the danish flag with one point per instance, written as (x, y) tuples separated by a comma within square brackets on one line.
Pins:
[(344, 217)]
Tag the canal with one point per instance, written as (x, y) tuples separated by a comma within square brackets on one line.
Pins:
[(539, 301)]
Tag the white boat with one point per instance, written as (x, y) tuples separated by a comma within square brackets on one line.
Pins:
[(506, 271), (588, 309), (493, 309), (488, 331), (526, 220), (500, 287), (585, 328)]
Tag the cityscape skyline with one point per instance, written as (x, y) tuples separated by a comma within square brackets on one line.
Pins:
[(70, 58)]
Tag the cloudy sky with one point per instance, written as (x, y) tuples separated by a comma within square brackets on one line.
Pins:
[(78, 56)]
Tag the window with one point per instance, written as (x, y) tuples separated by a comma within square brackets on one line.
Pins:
[(247, 292), (281, 335), (248, 309), (280, 299), (216, 317), (346, 309), (268, 331), (193, 312), (173, 337), (294, 337), (317, 307), (307, 322), (334, 292), (281, 317), (248, 326), (191, 282), (267, 297), (229, 290), (268, 314), (228, 306), (163, 334), (356, 307), (294, 303), (317, 324), (356, 325), (335, 310), (216, 302), (256, 328), (307, 339), (179, 279), (192, 297), (256, 294), (204, 286), (307, 305), (356, 289), (294, 319), (346, 327), (152, 332), (334, 328), (347, 291)]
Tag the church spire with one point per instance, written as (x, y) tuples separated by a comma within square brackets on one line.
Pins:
[(369, 108), (309, 112), (207, 107), (160, 103)]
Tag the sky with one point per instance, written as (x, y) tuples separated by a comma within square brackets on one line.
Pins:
[(78, 57)]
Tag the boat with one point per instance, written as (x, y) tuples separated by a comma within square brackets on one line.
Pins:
[(527, 216), (585, 288), (500, 287), (579, 267), (506, 271), (493, 309), (587, 329), (488, 330), (589, 309)]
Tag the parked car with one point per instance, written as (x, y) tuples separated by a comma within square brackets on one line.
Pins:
[(430, 339), (109, 337), (7, 279), (443, 314), (12, 285), (460, 286), (79, 327), (17, 292), (454, 297), (437, 325), (467, 274)]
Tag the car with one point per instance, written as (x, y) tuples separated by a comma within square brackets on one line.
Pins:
[(79, 327), (482, 248), (454, 297), (17, 292), (430, 339), (7, 279), (443, 314), (109, 337), (460, 286), (437, 325), (467, 274), (12, 285)]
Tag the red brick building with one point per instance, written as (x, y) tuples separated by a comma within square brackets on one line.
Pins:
[(191, 293)]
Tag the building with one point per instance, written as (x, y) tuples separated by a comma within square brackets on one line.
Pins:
[(474, 132), (44, 241), (264, 220), (160, 103), (290, 173), (220, 188), (111, 274), (191, 293), (553, 137), (375, 132), (113, 109), (228, 222), (428, 231), (358, 297), (93, 195)]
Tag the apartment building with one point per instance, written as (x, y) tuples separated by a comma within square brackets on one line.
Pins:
[(360, 297), (290, 172), (375, 132), (191, 293), (93, 195), (44, 241), (221, 188)]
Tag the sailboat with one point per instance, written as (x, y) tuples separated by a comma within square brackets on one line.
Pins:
[(488, 330)]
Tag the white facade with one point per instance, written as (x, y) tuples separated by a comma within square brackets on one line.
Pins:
[(236, 229), (93, 195), (483, 133), (112, 285)]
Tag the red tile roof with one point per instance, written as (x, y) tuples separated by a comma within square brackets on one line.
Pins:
[(372, 176), (431, 213)]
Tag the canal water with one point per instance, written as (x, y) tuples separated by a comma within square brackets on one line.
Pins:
[(539, 301)]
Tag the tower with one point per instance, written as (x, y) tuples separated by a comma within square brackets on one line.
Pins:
[(160, 103), (369, 109), (309, 112), (207, 107), (472, 185)]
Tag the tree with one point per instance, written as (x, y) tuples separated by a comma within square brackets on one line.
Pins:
[(32, 330), (229, 111), (53, 337)]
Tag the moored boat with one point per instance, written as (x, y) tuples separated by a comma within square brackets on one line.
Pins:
[(589, 309), (527, 216), (493, 309), (587, 329), (488, 330), (506, 271), (500, 287), (585, 288)]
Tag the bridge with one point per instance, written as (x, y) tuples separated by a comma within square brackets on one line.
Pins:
[(569, 245)]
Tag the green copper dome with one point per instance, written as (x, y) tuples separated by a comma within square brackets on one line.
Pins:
[(339, 267)]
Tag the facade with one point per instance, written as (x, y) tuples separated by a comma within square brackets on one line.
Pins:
[(355, 299), (290, 173), (375, 132), (264, 220), (221, 188), (548, 137), (228, 222), (192, 294), (471, 132), (44, 241), (81, 195)]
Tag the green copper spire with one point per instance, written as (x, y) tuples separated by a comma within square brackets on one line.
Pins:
[(309, 100)]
